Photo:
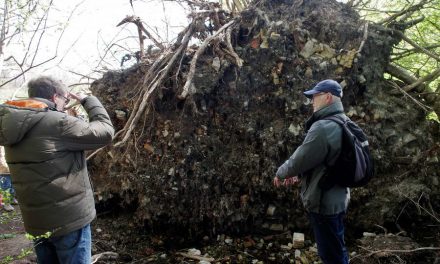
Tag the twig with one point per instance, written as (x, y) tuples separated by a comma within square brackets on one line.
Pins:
[(138, 22), (407, 52), (389, 251), (364, 38), (415, 45), (200, 51), (105, 256), (424, 107), (199, 258), (237, 58), (401, 250), (411, 9)]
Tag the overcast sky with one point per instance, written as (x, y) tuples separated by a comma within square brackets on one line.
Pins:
[(88, 34), (93, 27)]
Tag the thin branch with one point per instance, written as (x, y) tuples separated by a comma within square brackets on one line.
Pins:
[(138, 22), (364, 38), (415, 45), (238, 60), (424, 107), (390, 251), (411, 9), (44, 17), (407, 52), (28, 69), (194, 257), (82, 75)]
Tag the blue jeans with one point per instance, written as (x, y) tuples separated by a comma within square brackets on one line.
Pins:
[(6, 184), (72, 248), (329, 236)]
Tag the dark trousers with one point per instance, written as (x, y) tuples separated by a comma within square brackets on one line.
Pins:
[(329, 236)]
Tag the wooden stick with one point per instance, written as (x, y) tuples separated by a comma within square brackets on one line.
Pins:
[(199, 258)]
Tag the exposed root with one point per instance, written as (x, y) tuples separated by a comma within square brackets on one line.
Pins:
[(200, 50), (159, 78)]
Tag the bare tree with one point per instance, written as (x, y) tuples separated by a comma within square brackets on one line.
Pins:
[(24, 26)]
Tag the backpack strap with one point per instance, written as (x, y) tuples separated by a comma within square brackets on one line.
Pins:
[(324, 183), (336, 119)]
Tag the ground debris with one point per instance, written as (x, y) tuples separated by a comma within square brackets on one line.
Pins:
[(389, 248)]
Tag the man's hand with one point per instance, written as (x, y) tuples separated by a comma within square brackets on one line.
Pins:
[(78, 97), (291, 181), (286, 182), (276, 182)]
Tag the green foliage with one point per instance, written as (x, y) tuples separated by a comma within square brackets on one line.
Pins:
[(23, 253), (425, 33), (7, 259), (6, 217), (32, 238), (6, 196), (433, 116)]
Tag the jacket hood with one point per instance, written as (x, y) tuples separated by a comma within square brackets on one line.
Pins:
[(19, 116)]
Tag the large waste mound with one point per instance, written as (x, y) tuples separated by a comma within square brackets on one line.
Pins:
[(205, 162)]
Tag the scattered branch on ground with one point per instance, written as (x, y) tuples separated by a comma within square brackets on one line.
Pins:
[(195, 257)]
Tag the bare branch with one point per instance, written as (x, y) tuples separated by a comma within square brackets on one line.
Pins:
[(28, 69), (401, 74), (424, 107), (138, 22), (238, 60), (408, 52), (430, 77), (364, 38), (411, 9), (415, 45)]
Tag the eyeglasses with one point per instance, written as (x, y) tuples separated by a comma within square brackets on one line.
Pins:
[(66, 100)]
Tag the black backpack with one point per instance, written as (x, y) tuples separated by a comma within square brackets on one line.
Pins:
[(354, 166)]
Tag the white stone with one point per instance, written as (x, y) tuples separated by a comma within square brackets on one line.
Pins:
[(216, 63), (271, 210), (228, 241), (194, 251), (298, 240)]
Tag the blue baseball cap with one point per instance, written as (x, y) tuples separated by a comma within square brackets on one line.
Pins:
[(326, 86)]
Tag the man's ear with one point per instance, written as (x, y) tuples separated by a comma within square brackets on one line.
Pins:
[(329, 98), (53, 98)]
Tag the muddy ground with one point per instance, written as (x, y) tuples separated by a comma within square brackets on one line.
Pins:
[(116, 239)]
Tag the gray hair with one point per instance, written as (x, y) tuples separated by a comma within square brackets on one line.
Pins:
[(45, 87)]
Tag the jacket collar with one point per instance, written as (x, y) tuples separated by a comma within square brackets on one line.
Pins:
[(332, 109), (32, 103)]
